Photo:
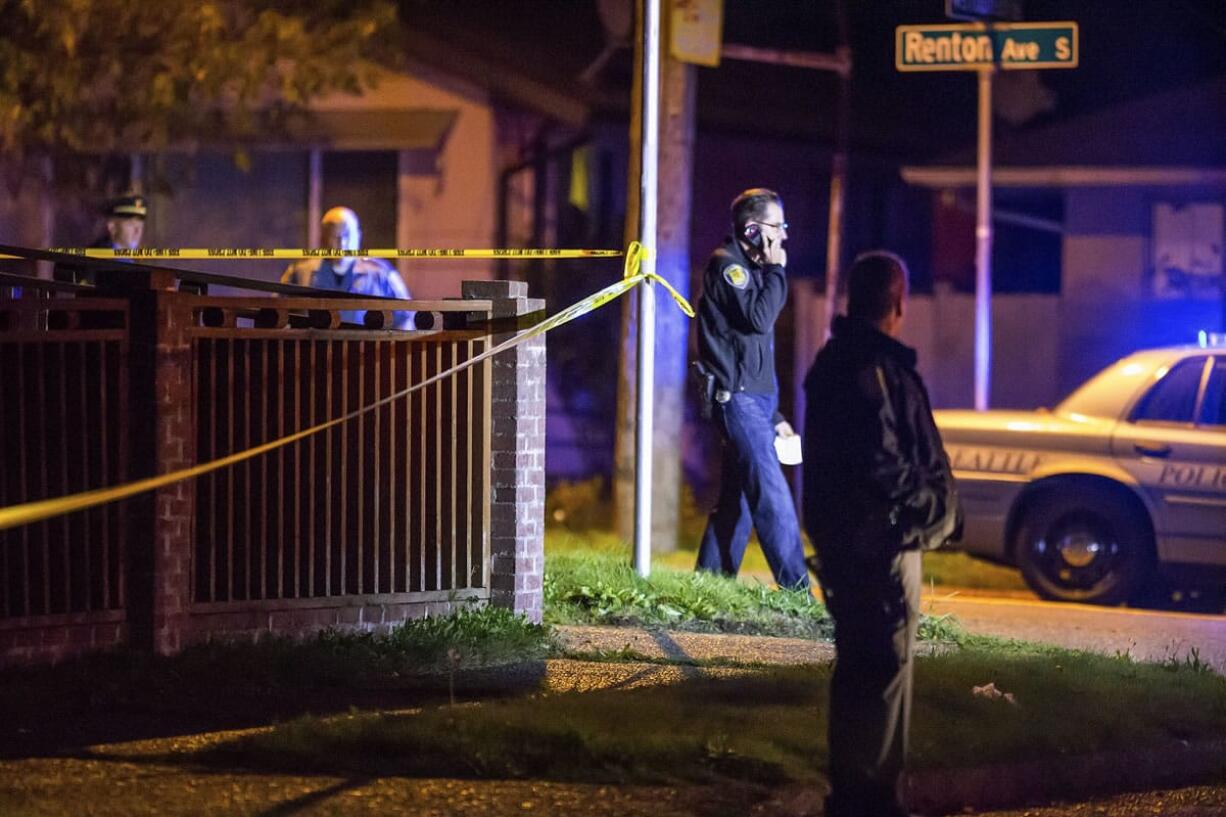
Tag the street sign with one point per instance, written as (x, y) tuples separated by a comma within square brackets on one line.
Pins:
[(983, 9), (972, 46), (983, 47)]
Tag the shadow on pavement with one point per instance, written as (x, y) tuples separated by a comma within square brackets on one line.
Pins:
[(310, 799), (61, 711)]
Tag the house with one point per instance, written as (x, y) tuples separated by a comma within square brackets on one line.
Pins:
[(1139, 191)]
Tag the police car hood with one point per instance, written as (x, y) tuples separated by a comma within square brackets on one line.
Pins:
[(1038, 429)]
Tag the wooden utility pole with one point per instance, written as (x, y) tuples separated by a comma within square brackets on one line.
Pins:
[(838, 171)]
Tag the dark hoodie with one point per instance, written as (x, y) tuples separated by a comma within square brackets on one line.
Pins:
[(876, 477)]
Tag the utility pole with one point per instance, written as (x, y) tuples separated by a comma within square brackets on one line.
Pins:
[(838, 173), (623, 443)]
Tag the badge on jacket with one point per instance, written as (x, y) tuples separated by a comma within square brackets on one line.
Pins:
[(735, 275)]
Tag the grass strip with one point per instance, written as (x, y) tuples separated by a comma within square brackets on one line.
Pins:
[(600, 587), (946, 568), (1067, 703), (767, 727)]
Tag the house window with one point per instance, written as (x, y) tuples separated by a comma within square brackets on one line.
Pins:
[(1187, 246)]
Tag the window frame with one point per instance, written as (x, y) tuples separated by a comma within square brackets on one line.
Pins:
[(1198, 418), (1206, 367)]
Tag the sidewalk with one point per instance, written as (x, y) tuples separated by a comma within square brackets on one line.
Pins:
[(686, 646)]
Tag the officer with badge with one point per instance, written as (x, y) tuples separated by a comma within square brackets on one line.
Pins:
[(125, 227), (340, 230), (744, 290)]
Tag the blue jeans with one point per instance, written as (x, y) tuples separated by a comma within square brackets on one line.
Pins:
[(752, 491)]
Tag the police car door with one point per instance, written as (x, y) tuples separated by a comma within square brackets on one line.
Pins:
[(1174, 444)]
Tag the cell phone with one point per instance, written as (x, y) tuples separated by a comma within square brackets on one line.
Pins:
[(753, 234)]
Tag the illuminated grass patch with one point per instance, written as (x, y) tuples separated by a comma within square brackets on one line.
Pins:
[(767, 726), (600, 587)]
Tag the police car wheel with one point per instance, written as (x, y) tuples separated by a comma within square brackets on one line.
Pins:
[(1085, 545)]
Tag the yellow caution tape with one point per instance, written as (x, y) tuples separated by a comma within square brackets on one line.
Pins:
[(190, 253), (30, 512)]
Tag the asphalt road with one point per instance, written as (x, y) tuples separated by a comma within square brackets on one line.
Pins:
[(1144, 634), (1195, 801), (1199, 801)]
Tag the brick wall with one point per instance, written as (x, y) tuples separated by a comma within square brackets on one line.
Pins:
[(517, 478), (57, 638), (174, 505), (299, 619), (161, 438)]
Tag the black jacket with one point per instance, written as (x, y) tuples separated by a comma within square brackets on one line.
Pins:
[(876, 477), (736, 320)]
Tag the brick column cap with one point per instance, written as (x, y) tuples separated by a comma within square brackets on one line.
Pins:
[(482, 290)]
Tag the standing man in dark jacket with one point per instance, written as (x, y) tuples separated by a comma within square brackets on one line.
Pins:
[(878, 491), (743, 291)]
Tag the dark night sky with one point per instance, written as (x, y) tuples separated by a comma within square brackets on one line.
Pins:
[(1128, 49)]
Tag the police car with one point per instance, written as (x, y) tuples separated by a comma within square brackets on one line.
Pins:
[(1118, 486)]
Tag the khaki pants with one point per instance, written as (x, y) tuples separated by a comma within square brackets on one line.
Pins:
[(876, 612)]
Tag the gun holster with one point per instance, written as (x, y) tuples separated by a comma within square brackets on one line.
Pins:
[(703, 383)]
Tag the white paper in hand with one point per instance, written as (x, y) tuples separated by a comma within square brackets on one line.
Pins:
[(787, 449)]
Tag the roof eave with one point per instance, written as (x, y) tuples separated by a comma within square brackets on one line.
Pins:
[(502, 82), (944, 177)]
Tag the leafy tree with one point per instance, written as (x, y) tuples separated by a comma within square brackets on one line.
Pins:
[(98, 76)]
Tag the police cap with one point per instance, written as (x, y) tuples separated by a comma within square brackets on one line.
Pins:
[(126, 207)]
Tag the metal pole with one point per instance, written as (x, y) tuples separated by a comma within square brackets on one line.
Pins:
[(136, 173), (315, 186), (645, 355), (834, 238), (983, 246), (837, 62)]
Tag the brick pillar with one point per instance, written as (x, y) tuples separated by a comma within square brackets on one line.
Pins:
[(517, 450), (161, 439)]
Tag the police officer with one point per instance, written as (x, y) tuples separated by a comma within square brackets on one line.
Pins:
[(340, 230), (125, 227), (878, 490), (744, 290)]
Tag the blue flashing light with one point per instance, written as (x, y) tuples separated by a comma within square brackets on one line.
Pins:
[(1211, 340)]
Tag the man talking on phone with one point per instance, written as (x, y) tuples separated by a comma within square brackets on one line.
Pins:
[(744, 290)]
